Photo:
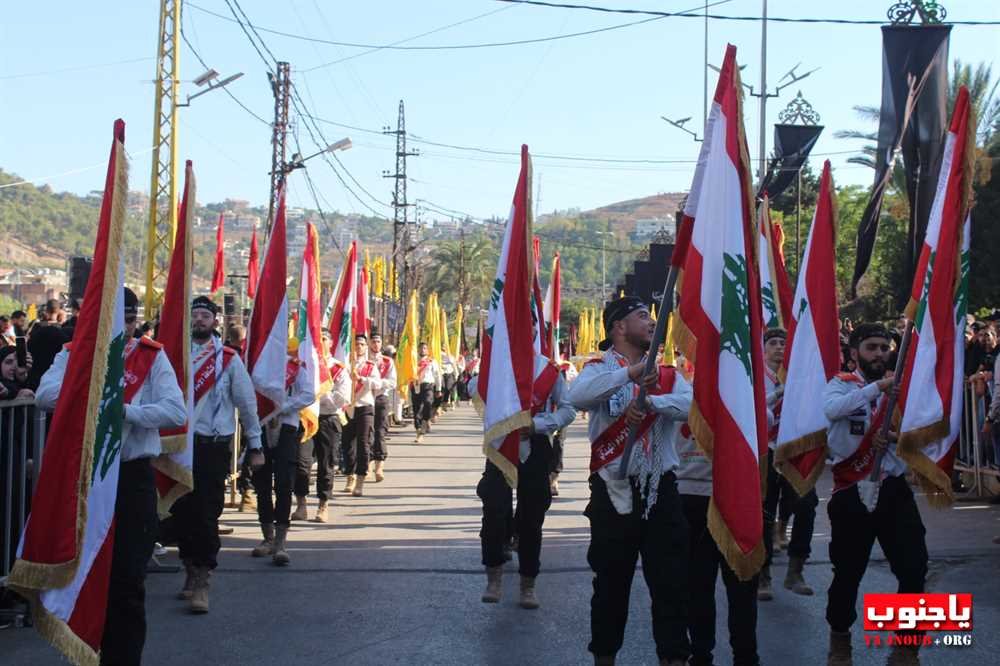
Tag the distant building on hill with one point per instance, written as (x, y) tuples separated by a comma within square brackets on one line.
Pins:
[(647, 228)]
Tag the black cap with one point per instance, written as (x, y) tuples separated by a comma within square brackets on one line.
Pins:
[(131, 303), (775, 333), (617, 310), (204, 303), (864, 331)]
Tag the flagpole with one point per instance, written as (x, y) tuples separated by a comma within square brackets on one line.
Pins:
[(659, 335), (870, 492)]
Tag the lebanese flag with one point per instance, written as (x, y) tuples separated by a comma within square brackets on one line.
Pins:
[(812, 354), (312, 355), (253, 270), (267, 338), (931, 388), (506, 372), (339, 315), (538, 303), (64, 556), (219, 275), (720, 330), (362, 323), (172, 468), (774, 287), (553, 303)]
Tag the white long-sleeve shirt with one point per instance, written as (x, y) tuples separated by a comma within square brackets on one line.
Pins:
[(448, 365), (215, 414), (849, 407), (597, 390), (297, 398), (387, 373), (431, 374), (157, 404), (339, 396), (364, 391)]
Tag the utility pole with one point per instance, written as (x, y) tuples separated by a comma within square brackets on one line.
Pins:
[(163, 186), (762, 142), (400, 223), (281, 87)]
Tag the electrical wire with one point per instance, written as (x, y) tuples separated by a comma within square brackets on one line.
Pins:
[(224, 88), (28, 75), (720, 17), (452, 47)]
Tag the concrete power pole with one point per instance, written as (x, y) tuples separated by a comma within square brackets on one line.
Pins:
[(401, 242), (281, 86)]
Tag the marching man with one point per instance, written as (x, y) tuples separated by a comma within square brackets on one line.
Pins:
[(153, 400), (550, 412), (449, 376), (282, 437), (358, 433), (427, 385), (641, 513), (855, 404), (221, 387), (383, 403)]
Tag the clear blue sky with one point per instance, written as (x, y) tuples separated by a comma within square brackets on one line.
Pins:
[(597, 95)]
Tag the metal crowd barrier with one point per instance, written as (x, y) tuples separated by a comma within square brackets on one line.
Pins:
[(977, 457), (22, 440)]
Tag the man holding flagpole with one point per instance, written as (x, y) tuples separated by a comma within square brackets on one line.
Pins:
[(153, 400), (425, 387), (360, 424), (387, 373), (221, 387)]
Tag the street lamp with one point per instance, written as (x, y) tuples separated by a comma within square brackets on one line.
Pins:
[(298, 162), (604, 277), (207, 79)]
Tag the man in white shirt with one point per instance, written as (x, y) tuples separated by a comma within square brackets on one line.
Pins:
[(639, 514), (222, 387), (428, 384), (855, 406), (153, 400), (383, 403), (360, 424), (282, 440), (449, 375)]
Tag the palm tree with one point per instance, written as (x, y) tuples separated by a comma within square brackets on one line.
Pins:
[(462, 271)]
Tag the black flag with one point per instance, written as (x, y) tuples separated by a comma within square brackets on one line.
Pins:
[(792, 144), (913, 119)]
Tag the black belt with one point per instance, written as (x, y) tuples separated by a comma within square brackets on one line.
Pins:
[(212, 439)]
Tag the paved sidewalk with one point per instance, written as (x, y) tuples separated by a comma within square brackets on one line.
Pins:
[(395, 578)]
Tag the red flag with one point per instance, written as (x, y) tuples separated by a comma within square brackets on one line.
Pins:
[(538, 303), (267, 339), (362, 324), (219, 276), (253, 269)]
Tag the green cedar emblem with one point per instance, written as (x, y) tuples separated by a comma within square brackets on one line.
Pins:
[(735, 333), (111, 412)]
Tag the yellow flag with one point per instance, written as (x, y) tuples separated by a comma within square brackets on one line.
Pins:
[(407, 357), (652, 312), (668, 344), (32, 312), (445, 339), (459, 322), (583, 334), (598, 329)]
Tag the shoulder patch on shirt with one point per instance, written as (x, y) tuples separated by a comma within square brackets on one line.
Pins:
[(849, 377), (149, 342), (857, 428)]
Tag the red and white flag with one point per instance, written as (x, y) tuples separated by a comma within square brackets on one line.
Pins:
[(173, 467), (933, 376), (553, 304), (253, 268), (219, 274), (267, 338), (719, 327), (339, 315), (506, 371), (812, 355), (775, 290), (362, 323), (312, 354), (538, 303), (64, 557)]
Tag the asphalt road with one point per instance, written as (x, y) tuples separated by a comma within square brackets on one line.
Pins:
[(395, 578)]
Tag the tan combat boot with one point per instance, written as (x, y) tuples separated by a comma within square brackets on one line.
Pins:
[(199, 593), (764, 592), (794, 580), (840, 649), (528, 599), (781, 535), (554, 484), (320, 516), (265, 547), (301, 512), (351, 480), (494, 585), (248, 501), (280, 556), (185, 593), (359, 487), (379, 471)]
